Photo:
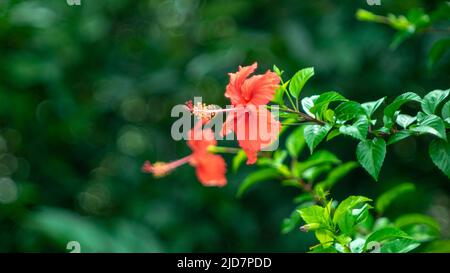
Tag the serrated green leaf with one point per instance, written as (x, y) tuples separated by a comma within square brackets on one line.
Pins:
[(372, 106), (314, 134), (358, 130), (405, 120), (322, 102), (439, 151), (370, 154), (295, 142), (431, 124), (256, 177), (399, 101), (432, 100), (387, 233), (299, 80), (385, 199), (348, 110), (400, 245)]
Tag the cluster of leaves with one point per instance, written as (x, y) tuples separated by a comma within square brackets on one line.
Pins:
[(349, 226), (416, 22), (330, 114)]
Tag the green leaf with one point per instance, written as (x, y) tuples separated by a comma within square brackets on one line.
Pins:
[(336, 174), (387, 233), (238, 159), (308, 103), (432, 100), (438, 50), (256, 177), (279, 93), (446, 110), (322, 102), (299, 80), (295, 142), (353, 217), (400, 135), (348, 110), (371, 107), (314, 134), (313, 215), (439, 151), (358, 130), (348, 204), (400, 245), (431, 124), (399, 101), (385, 199), (405, 120), (370, 154)]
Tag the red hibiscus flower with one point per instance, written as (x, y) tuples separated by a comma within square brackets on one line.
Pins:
[(253, 124), (210, 168)]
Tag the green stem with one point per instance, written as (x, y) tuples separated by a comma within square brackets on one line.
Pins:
[(219, 149)]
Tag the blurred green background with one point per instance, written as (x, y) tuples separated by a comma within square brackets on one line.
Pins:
[(86, 93)]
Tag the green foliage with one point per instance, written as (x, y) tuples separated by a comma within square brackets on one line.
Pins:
[(370, 154), (440, 154), (314, 134), (299, 80)]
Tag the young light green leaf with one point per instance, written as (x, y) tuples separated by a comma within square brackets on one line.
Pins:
[(348, 110), (385, 199), (299, 80), (348, 204), (295, 142), (372, 106), (432, 100), (313, 215), (256, 177), (314, 134), (439, 151), (353, 217), (370, 154), (358, 130), (405, 120), (431, 124), (399, 101)]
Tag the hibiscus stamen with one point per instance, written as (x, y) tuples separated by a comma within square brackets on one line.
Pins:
[(159, 169), (205, 111)]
